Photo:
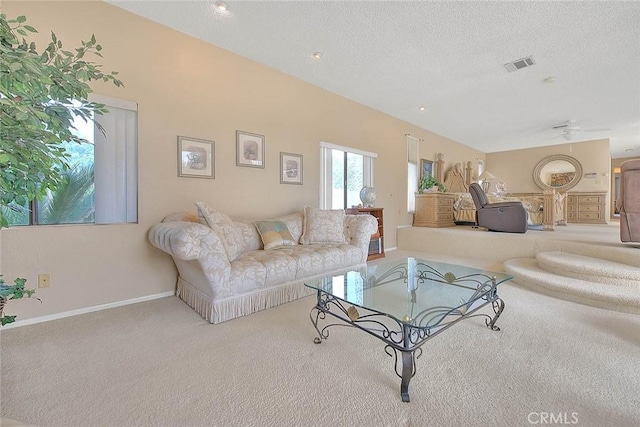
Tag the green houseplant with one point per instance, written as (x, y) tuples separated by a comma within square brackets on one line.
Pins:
[(41, 93), (10, 292), (427, 182)]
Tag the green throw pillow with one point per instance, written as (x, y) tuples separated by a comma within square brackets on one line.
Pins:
[(274, 234)]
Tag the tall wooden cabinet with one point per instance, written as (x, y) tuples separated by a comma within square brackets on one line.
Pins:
[(376, 245), (588, 208)]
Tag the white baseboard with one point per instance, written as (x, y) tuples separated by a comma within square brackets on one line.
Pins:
[(85, 310), (395, 248)]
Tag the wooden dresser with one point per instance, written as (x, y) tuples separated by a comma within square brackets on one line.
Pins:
[(588, 208), (376, 245), (434, 210)]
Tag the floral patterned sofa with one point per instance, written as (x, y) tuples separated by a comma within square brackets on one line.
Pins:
[(224, 270)]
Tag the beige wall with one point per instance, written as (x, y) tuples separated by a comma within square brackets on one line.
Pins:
[(186, 87), (452, 154), (516, 167), (615, 163)]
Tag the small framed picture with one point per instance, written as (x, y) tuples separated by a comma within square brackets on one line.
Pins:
[(426, 168), (290, 168), (196, 157), (249, 149)]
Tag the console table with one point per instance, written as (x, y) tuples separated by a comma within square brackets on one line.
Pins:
[(434, 210)]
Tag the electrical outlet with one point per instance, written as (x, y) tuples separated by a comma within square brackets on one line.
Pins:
[(44, 280)]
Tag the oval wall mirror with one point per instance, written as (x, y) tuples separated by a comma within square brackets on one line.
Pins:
[(559, 172)]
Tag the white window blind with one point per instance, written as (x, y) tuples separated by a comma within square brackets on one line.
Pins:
[(116, 177), (413, 174)]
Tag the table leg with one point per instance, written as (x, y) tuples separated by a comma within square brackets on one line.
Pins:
[(407, 374), (319, 314), (319, 310), (498, 307)]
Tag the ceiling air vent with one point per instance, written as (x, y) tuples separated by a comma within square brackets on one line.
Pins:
[(520, 64)]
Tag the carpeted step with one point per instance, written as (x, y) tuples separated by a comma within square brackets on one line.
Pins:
[(527, 272), (589, 269)]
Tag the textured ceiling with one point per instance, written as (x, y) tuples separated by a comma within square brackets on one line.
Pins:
[(396, 56)]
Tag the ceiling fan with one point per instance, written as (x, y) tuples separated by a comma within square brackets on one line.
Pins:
[(570, 130)]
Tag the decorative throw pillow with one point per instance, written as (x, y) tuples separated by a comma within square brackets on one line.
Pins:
[(223, 226), (274, 234), (322, 226)]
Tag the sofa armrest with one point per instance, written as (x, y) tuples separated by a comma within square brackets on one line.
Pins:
[(358, 230), (187, 241)]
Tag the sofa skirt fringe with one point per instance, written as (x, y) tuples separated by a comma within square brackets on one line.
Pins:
[(195, 299), (242, 305), (220, 311), (251, 303)]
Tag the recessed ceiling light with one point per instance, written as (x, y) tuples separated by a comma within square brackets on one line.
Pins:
[(628, 150), (421, 108), (220, 5), (316, 55), (550, 79)]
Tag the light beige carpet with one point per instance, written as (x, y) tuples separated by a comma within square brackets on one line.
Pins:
[(614, 293), (159, 363)]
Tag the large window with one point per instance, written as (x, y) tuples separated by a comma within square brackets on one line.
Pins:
[(101, 185), (344, 172), (413, 174)]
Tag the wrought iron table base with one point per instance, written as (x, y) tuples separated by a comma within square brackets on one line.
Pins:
[(407, 339), (408, 372)]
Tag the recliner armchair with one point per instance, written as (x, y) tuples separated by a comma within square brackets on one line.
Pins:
[(628, 202), (510, 217)]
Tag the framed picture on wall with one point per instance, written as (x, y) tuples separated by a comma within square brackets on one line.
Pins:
[(290, 168), (426, 168), (249, 149), (196, 157)]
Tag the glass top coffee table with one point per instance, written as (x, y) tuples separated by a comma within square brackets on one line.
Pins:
[(405, 303)]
